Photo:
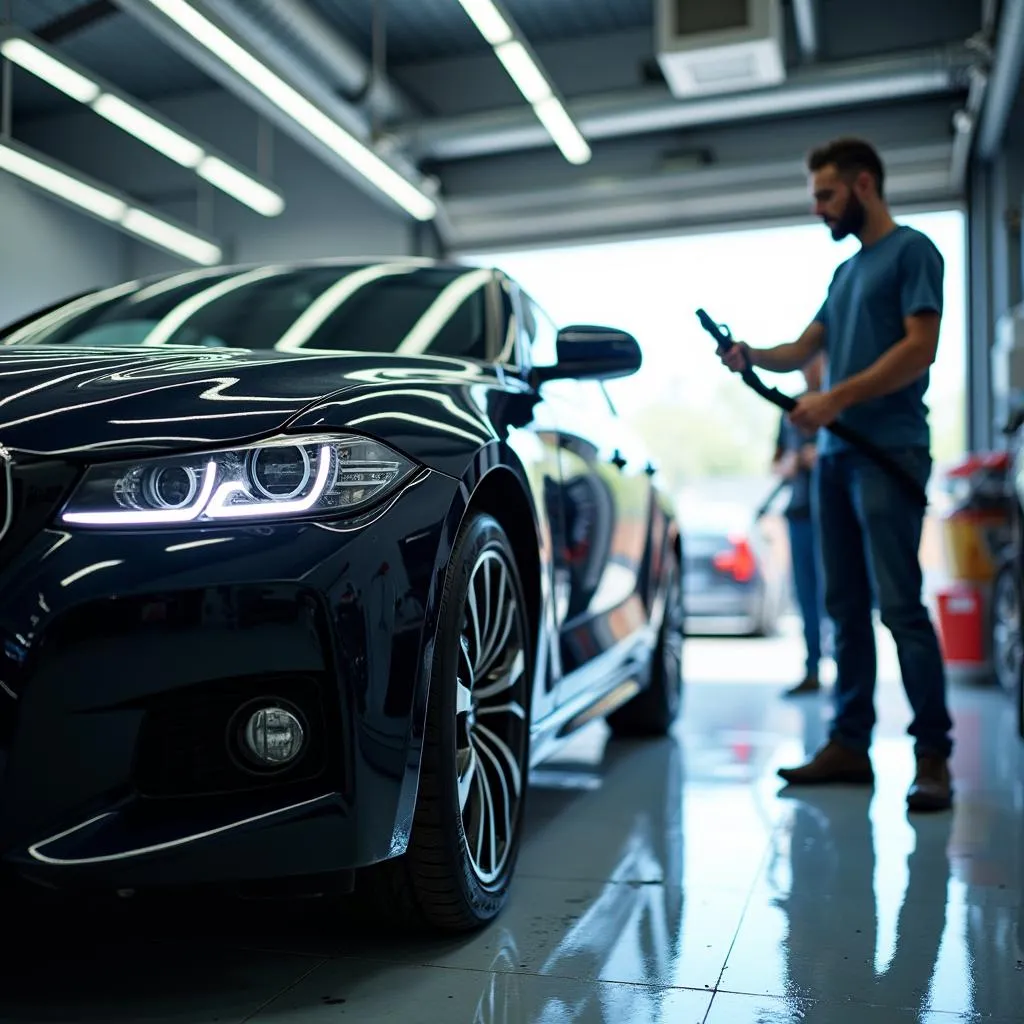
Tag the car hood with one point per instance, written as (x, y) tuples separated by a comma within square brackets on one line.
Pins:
[(83, 403)]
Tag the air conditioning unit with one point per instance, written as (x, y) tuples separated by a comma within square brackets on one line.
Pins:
[(717, 46)]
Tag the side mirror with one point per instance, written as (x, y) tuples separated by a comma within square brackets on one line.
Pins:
[(588, 352)]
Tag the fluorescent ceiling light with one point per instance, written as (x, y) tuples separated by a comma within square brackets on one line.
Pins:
[(246, 190), (155, 229), (528, 78), (148, 130), (291, 102), (561, 128), (522, 70), (131, 117), (50, 70), (97, 202), (105, 205), (488, 20)]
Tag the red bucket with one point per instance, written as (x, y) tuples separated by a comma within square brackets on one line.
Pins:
[(961, 626)]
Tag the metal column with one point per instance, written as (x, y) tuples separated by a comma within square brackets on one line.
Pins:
[(979, 308)]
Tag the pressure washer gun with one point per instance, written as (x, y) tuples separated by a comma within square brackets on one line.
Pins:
[(722, 335)]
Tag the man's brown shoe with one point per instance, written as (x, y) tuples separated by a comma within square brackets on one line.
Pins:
[(833, 763), (808, 685), (932, 789)]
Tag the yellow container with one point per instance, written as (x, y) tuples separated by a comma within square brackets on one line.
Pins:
[(972, 541)]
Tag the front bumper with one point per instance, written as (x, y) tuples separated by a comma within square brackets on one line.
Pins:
[(125, 653)]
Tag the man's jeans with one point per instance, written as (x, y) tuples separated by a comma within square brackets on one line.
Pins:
[(870, 532), (807, 583)]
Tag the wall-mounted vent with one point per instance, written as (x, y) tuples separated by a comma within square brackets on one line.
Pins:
[(720, 46)]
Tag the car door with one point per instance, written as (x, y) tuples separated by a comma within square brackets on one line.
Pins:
[(605, 489)]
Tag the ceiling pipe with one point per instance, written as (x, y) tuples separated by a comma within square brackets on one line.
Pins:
[(965, 120), (965, 124), (341, 62), (917, 74), (1005, 81)]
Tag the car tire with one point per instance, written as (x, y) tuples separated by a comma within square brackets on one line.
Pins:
[(1005, 629), (653, 711), (457, 870)]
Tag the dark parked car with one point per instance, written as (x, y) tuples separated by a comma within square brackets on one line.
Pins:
[(304, 567)]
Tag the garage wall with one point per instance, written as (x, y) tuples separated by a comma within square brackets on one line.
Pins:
[(48, 250), (325, 215)]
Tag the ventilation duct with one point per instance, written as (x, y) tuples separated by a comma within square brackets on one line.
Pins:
[(720, 47)]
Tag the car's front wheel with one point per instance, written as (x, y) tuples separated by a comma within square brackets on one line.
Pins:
[(466, 832), (1006, 640)]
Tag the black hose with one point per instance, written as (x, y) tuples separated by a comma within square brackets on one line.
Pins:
[(767, 503), (723, 336)]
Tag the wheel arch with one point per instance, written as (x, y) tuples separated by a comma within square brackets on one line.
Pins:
[(502, 495), (494, 483)]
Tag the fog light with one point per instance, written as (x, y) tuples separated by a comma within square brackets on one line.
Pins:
[(274, 737)]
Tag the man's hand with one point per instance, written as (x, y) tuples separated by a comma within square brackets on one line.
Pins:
[(787, 465), (816, 410), (737, 358)]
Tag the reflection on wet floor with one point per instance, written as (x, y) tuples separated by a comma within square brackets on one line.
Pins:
[(672, 880)]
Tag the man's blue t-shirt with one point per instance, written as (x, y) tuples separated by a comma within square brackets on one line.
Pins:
[(870, 294)]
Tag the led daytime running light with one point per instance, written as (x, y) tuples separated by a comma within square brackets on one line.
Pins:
[(220, 509), (154, 517)]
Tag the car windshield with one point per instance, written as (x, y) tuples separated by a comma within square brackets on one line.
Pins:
[(383, 307)]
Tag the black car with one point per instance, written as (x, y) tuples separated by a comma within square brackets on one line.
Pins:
[(303, 568)]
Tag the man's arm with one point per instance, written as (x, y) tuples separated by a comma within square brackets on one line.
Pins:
[(792, 355), (899, 366), (778, 466), (808, 456)]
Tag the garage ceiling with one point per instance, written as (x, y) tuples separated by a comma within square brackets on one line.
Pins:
[(446, 110)]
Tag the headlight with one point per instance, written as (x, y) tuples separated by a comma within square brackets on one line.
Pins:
[(282, 477)]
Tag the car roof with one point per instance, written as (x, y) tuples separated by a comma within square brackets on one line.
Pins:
[(315, 262)]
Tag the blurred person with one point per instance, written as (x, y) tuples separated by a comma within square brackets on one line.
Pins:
[(795, 457), (879, 327)]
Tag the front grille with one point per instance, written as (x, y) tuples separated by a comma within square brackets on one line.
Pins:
[(184, 745), (31, 493)]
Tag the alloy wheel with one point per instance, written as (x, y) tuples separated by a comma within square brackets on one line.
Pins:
[(672, 640), (1006, 632), (491, 719)]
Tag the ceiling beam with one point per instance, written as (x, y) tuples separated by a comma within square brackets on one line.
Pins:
[(76, 21), (670, 201), (823, 87)]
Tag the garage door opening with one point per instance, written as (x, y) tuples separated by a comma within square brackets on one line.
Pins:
[(701, 423)]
